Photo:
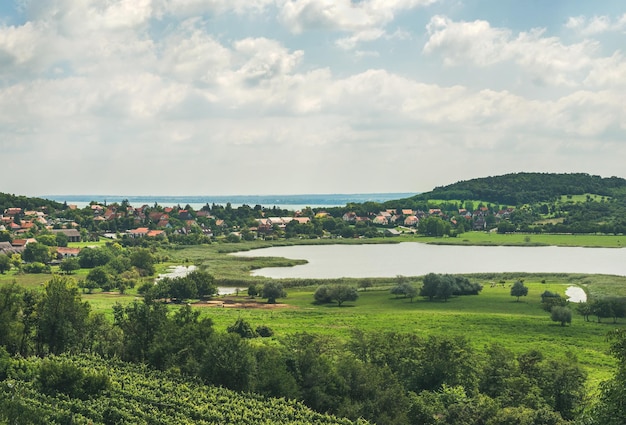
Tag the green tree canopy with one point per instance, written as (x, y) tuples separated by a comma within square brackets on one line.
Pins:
[(519, 289), (272, 291)]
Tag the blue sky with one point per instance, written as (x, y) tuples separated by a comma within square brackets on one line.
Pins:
[(193, 97)]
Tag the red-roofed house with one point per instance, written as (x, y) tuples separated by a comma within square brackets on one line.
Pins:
[(139, 232), (64, 252)]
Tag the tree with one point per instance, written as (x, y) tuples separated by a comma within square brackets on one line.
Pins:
[(322, 295), (365, 283), (5, 264), (61, 239), (62, 317), (144, 261), (36, 253), (140, 323), (69, 265), (47, 240), (584, 309), (252, 290), (519, 290), (429, 288), (445, 288), (561, 314), (89, 258), (204, 283), (342, 293), (242, 328), (610, 409), (98, 277), (405, 289), (273, 290)]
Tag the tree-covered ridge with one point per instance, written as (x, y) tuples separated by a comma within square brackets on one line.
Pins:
[(525, 188), (26, 203), (91, 390)]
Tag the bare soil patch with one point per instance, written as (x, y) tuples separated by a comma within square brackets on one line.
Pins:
[(240, 303)]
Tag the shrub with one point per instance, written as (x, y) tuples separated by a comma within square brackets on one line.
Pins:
[(264, 331), (37, 268)]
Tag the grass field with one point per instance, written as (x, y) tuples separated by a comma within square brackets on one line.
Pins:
[(521, 239), (492, 316)]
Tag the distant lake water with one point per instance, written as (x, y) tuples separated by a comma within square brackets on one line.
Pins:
[(416, 259), (288, 202)]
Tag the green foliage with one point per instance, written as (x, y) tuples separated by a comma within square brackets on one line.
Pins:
[(62, 317), (144, 261), (264, 331), (519, 289), (338, 293), (140, 323), (434, 226), (442, 287), (36, 252), (61, 376), (69, 265), (47, 239), (272, 291), (561, 314), (89, 258), (405, 289), (126, 393), (526, 188), (610, 408), (36, 268), (98, 277), (195, 284), (242, 328)]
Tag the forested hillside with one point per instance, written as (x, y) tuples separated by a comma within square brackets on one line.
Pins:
[(526, 188), (26, 203)]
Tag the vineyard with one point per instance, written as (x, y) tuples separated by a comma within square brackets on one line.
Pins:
[(90, 390)]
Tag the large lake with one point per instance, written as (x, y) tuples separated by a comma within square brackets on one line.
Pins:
[(415, 259)]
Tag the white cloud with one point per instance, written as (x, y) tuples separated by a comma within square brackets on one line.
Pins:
[(544, 58), (366, 19), (187, 8), (608, 72), (95, 83), (596, 24)]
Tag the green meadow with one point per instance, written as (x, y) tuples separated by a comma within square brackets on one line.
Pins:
[(493, 316)]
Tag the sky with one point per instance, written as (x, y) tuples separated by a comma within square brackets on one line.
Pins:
[(226, 97)]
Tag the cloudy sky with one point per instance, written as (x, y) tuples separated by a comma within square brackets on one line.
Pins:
[(218, 97)]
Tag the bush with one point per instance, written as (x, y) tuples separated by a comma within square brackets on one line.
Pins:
[(242, 328), (264, 331), (322, 295), (37, 268)]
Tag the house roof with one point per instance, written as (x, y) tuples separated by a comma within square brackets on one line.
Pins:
[(139, 231), (66, 250), (72, 233)]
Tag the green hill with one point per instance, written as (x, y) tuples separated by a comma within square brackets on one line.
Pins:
[(527, 188), (89, 390)]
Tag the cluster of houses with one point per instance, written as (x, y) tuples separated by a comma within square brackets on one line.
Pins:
[(18, 222), (411, 218)]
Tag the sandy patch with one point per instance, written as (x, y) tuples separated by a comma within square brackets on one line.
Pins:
[(241, 303)]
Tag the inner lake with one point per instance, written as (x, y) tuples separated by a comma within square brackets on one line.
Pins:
[(415, 259)]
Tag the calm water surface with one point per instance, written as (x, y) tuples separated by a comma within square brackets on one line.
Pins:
[(414, 259)]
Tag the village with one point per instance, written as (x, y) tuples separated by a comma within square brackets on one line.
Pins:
[(123, 222)]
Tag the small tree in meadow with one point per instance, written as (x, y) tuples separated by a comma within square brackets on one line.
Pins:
[(273, 290), (519, 289), (561, 314)]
